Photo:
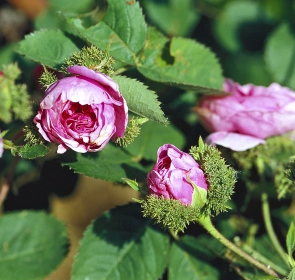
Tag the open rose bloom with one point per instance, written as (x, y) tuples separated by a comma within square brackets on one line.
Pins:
[(176, 175), (250, 114), (82, 112)]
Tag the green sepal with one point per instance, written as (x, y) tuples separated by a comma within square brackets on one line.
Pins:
[(170, 213), (199, 197), (131, 132), (92, 58), (47, 78), (220, 177), (132, 183)]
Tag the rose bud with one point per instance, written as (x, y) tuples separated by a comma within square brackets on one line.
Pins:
[(82, 112), (176, 175), (250, 114)]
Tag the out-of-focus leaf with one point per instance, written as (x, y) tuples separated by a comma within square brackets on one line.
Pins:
[(32, 245), (246, 68), (151, 137), (121, 245), (280, 55), (188, 262), (167, 16), (242, 25), (48, 47), (123, 28), (140, 99), (110, 164), (290, 240), (182, 62)]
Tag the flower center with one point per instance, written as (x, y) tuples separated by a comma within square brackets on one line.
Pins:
[(79, 118)]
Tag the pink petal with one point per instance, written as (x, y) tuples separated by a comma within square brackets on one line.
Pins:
[(235, 141)]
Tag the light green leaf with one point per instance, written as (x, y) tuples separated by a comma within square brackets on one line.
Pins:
[(187, 262), (290, 240), (48, 47), (30, 151), (140, 99), (121, 245), (280, 55), (181, 62), (32, 245), (110, 164), (123, 28), (166, 16), (151, 137)]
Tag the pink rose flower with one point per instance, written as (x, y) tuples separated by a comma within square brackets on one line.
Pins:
[(82, 112), (176, 175), (250, 114)]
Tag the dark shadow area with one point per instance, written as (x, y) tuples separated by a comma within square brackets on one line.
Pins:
[(253, 35)]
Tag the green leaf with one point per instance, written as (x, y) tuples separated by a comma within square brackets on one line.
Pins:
[(187, 262), (110, 164), (121, 245), (30, 151), (182, 62), (166, 16), (48, 47), (140, 99), (123, 28), (151, 137), (32, 245), (290, 240), (240, 24), (280, 55)]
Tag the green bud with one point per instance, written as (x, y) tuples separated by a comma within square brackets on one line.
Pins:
[(93, 58), (131, 132), (221, 178)]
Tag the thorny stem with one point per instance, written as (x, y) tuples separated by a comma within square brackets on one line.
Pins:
[(269, 228), (205, 221)]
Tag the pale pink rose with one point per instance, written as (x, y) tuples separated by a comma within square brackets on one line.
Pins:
[(247, 116), (173, 176), (82, 112)]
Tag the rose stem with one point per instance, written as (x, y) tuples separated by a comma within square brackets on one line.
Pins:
[(269, 228), (205, 221), (174, 234)]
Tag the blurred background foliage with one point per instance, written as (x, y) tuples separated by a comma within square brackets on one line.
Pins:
[(254, 42)]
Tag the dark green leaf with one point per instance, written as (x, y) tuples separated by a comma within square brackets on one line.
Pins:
[(182, 62), (187, 262), (140, 99), (280, 55), (110, 164), (49, 47), (151, 137), (290, 240), (30, 151), (121, 245), (123, 28), (241, 25), (32, 245)]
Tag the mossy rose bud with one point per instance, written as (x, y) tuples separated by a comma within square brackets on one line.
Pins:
[(82, 112), (176, 175)]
